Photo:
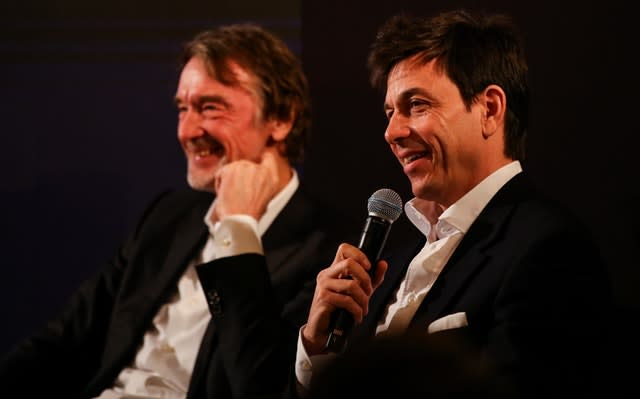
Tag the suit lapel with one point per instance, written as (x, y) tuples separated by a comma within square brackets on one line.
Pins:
[(283, 231), (471, 254), (158, 265), (454, 275), (165, 264), (189, 237), (282, 236)]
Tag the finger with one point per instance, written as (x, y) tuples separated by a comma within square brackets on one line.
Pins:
[(355, 271), (349, 304), (218, 177), (348, 269), (348, 251), (378, 275), (341, 295), (359, 291), (350, 287)]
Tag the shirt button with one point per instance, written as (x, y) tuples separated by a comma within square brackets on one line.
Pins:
[(226, 242), (411, 298), (166, 348), (305, 365)]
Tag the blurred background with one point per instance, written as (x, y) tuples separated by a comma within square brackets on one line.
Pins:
[(88, 132)]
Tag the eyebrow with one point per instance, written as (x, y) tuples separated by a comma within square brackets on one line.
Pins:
[(413, 91), (205, 99), (407, 94)]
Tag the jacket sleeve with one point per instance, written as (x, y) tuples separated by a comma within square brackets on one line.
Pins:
[(256, 328)]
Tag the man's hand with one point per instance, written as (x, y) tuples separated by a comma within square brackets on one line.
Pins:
[(245, 187), (334, 290)]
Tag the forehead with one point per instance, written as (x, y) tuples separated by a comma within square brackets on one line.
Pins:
[(412, 72), (197, 75)]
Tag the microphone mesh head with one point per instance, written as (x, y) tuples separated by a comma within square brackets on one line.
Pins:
[(386, 204)]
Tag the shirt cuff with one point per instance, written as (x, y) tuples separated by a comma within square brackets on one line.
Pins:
[(305, 363), (236, 235)]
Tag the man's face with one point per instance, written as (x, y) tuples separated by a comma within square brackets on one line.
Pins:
[(218, 124), (436, 139)]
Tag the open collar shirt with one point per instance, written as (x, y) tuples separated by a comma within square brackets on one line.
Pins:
[(442, 240)]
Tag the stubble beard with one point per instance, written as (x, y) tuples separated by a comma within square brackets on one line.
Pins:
[(203, 180)]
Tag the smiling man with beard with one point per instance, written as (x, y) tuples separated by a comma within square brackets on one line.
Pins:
[(206, 296)]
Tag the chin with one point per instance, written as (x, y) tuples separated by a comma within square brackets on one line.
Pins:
[(423, 190), (201, 183)]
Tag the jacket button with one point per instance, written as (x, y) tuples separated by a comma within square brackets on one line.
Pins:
[(213, 299)]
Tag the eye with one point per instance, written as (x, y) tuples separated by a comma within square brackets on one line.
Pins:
[(388, 111), (181, 110), (417, 105), (210, 110)]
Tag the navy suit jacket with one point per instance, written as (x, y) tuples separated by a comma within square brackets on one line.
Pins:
[(533, 287), (257, 304)]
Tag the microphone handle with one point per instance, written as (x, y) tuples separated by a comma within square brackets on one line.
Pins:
[(372, 240), (374, 235)]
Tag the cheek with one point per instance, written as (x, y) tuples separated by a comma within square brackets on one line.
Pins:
[(250, 145)]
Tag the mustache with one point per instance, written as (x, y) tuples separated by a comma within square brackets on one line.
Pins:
[(206, 145)]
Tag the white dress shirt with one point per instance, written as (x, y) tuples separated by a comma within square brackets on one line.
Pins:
[(425, 267), (163, 364)]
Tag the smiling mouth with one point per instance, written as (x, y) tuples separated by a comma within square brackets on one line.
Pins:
[(205, 146), (408, 159)]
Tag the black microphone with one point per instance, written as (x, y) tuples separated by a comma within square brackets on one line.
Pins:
[(384, 206)]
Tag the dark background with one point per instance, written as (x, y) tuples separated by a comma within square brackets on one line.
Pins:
[(88, 125)]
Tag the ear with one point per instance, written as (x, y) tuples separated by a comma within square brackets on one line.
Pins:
[(495, 106), (280, 129)]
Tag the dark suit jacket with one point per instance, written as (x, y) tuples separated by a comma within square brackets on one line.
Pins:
[(532, 285), (257, 303)]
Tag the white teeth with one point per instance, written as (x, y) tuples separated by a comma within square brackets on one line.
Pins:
[(411, 158), (203, 153)]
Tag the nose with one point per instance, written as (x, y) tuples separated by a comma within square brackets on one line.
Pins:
[(397, 128), (189, 125)]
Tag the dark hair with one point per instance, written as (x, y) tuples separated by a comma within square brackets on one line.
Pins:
[(474, 51), (281, 84)]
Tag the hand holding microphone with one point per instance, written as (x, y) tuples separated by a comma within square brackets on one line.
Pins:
[(384, 207)]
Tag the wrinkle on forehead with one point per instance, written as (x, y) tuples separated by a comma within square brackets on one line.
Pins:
[(242, 79)]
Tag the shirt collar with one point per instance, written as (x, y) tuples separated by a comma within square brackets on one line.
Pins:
[(274, 207), (460, 215)]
